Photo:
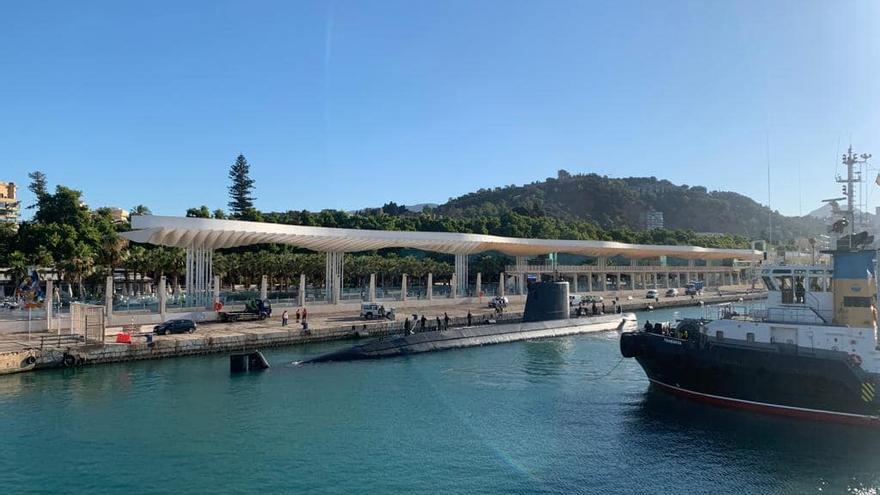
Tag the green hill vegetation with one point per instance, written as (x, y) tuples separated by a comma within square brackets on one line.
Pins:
[(611, 203)]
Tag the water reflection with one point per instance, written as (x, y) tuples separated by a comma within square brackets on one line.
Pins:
[(545, 357), (815, 456)]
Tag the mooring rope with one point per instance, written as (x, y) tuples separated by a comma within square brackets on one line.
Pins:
[(603, 375)]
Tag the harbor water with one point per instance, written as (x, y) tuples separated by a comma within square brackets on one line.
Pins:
[(564, 415)]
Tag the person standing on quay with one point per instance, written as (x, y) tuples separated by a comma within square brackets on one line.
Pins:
[(305, 314), (284, 317), (439, 324), (422, 323), (469, 317), (445, 321), (297, 315)]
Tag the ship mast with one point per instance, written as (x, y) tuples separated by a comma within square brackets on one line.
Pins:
[(851, 159)]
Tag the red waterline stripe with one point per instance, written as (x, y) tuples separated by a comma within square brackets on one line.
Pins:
[(778, 410)]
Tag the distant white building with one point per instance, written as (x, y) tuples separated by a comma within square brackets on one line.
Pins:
[(653, 219)]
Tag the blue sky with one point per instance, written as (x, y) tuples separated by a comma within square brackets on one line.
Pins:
[(351, 104)]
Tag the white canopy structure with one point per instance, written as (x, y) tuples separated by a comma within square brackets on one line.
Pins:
[(218, 234), (201, 236)]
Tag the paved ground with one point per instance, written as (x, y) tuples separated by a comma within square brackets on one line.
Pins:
[(329, 323)]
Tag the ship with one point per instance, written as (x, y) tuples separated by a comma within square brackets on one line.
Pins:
[(811, 352), (547, 314)]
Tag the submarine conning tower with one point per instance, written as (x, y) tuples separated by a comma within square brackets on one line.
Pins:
[(547, 301)]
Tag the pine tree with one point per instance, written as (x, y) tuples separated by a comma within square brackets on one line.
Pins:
[(242, 185), (37, 186)]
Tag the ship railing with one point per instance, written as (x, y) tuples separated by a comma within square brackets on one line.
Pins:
[(803, 314)]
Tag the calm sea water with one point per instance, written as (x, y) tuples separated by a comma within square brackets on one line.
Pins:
[(552, 416)]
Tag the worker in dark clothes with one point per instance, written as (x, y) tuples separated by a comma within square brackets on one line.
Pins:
[(469, 317)]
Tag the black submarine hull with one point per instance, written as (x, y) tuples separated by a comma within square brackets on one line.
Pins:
[(477, 336)]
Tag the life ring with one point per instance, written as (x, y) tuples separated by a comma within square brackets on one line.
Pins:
[(855, 359), (68, 360)]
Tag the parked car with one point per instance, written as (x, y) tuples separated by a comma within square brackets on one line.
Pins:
[(672, 293), (175, 326), (652, 294), (694, 288), (594, 299), (575, 300), (376, 310), (498, 302)]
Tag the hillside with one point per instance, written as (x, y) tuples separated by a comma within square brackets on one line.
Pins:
[(612, 202)]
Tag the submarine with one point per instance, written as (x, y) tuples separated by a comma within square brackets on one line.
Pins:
[(547, 314)]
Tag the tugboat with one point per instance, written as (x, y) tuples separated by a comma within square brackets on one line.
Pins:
[(811, 353)]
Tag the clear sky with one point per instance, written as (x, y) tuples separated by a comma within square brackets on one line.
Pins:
[(352, 104)]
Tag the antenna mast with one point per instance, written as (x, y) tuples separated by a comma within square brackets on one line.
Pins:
[(851, 159)]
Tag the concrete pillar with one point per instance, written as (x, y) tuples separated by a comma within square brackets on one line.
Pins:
[(371, 296), (333, 274), (216, 289), (574, 284), (430, 289), (590, 282), (667, 280), (108, 296), (461, 273), (48, 302), (479, 286), (163, 297), (521, 284), (403, 287), (618, 281), (264, 287), (337, 290), (501, 284), (453, 284), (301, 295)]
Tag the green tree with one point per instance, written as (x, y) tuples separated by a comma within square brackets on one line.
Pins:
[(37, 186), (141, 210), (240, 192), (200, 212)]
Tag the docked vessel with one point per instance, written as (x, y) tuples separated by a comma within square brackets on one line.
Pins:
[(811, 352), (546, 315)]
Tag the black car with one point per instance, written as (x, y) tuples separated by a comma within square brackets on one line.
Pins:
[(175, 326)]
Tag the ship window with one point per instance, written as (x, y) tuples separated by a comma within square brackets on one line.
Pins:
[(768, 282), (750, 337), (857, 302), (719, 335), (815, 284)]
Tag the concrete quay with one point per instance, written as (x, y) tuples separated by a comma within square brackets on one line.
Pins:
[(45, 350)]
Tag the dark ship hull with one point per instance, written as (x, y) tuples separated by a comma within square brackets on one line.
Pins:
[(779, 379)]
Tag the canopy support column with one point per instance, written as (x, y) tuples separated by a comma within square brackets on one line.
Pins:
[(461, 273), (333, 275), (199, 273)]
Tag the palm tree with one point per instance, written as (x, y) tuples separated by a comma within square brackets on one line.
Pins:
[(18, 267)]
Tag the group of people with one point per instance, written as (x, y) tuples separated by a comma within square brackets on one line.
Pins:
[(597, 309), (416, 324), (301, 315)]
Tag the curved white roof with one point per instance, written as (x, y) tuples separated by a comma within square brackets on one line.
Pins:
[(217, 234)]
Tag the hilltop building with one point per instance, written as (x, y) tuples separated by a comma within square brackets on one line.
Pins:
[(10, 206), (653, 219)]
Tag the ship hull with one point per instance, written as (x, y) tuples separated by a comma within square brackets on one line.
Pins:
[(768, 378), (477, 336)]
